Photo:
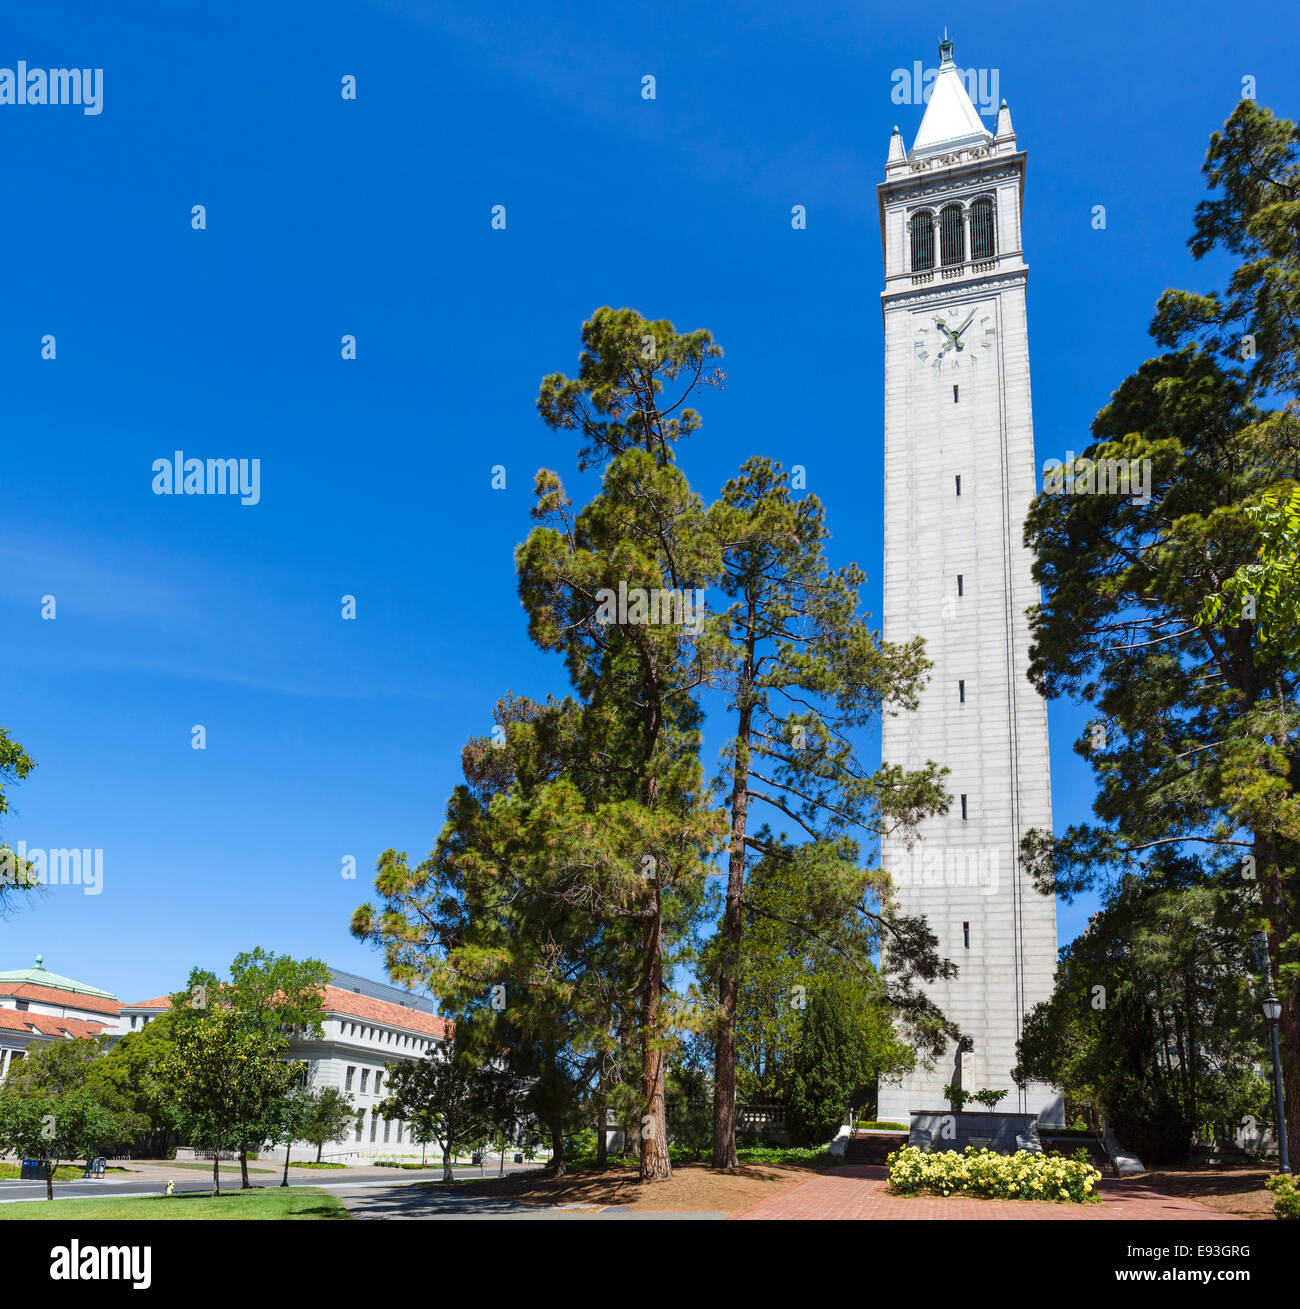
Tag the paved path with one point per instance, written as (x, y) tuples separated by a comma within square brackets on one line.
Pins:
[(857, 1191), (423, 1202)]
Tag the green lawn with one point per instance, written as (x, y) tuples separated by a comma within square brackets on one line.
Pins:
[(63, 1173), (272, 1203)]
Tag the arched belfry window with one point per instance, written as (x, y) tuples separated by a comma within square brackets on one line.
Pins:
[(922, 242), (952, 244), (982, 243)]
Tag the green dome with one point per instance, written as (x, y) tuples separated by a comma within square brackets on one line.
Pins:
[(39, 975)]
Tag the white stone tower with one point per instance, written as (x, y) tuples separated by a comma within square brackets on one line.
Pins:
[(959, 476)]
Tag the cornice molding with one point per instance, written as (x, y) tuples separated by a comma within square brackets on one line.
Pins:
[(949, 290)]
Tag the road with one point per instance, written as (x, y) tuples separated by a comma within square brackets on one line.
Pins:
[(192, 1182)]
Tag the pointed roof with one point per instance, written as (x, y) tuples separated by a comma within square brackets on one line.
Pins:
[(951, 120), (39, 975)]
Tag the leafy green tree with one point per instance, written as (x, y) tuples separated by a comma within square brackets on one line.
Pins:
[(832, 1065), (64, 1067), (126, 1072), (330, 1119), (449, 1098), (802, 933), (16, 875), (54, 1127), (1195, 741), (1152, 1022), (272, 994), (288, 1120), (804, 673), (223, 1080)]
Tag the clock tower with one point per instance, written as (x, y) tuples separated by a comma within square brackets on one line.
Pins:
[(959, 476)]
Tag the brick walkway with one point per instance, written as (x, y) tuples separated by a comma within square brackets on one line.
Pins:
[(858, 1191)]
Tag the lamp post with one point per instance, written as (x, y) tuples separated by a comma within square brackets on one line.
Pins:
[(1273, 1012)]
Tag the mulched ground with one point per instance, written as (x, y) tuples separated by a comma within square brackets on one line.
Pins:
[(1238, 1191), (693, 1188)]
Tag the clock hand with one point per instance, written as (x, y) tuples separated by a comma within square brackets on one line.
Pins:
[(963, 327)]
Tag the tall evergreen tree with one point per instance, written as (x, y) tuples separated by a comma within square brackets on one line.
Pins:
[(1195, 743), (805, 673)]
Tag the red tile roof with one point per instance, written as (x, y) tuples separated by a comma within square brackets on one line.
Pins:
[(15, 1020), (53, 995), (352, 1005)]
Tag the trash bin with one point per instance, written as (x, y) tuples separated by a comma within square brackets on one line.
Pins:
[(33, 1170), (519, 1158)]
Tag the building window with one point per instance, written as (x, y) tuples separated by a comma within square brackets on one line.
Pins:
[(387, 1125), (981, 230), (961, 692), (361, 1118), (960, 585), (23, 1005), (374, 1125), (347, 1078), (954, 395), (959, 486), (952, 240), (963, 809), (965, 935), (922, 242), (379, 1082), (365, 1078), (399, 1132)]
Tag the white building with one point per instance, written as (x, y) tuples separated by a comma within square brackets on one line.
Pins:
[(959, 477), (38, 1007), (367, 1025)]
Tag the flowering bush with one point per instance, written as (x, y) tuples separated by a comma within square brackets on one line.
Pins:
[(1286, 1198), (1024, 1175)]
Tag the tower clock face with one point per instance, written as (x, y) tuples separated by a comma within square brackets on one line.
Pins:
[(954, 340)]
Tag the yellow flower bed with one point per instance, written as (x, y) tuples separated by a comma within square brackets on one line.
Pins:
[(1024, 1175)]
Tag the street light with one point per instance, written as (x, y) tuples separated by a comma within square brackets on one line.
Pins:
[(1273, 1012)]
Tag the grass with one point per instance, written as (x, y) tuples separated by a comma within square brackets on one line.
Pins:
[(63, 1173), (312, 1165), (242, 1206)]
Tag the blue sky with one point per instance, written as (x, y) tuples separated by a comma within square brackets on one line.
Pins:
[(371, 217)]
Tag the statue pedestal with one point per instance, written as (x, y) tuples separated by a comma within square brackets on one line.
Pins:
[(944, 1130)]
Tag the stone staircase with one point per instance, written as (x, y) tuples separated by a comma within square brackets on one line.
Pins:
[(873, 1147)]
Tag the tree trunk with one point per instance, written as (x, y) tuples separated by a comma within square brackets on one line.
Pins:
[(602, 1144), (448, 1173), (724, 1060), (216, 1173), (655, 1163), (287, 1150), (557, 1150), (50, 1166), (320, 1149), (243, 1165)]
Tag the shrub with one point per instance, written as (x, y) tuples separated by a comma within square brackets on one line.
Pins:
[(1021, 1176), (873, 1126), (1286, 1198)]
